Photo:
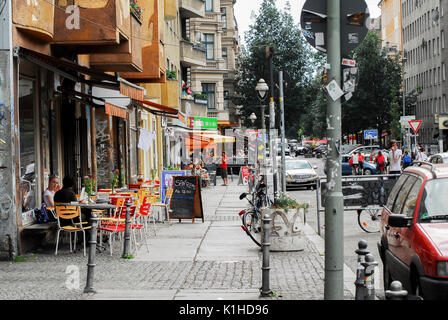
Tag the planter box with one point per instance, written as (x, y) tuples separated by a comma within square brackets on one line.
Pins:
[(287, 229)]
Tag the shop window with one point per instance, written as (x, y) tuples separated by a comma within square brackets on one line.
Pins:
[(27, 145)]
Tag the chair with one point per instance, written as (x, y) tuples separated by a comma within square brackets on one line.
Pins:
[(117, 224), (166, 203), (146, 211), (68, 212)]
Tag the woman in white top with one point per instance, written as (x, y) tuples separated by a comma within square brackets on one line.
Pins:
[(53, 186)]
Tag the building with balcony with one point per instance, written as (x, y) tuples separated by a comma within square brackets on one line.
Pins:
[(217, 32)]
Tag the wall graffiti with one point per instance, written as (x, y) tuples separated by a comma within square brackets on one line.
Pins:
[(102, 153)]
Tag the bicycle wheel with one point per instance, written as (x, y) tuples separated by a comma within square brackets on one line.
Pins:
[(252, 225), (369, 220)]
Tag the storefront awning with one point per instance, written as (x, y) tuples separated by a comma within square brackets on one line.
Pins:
[(114, 102), (62, 66), (131, 90), (157, 109)]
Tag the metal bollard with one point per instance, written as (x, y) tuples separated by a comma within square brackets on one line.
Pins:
[(369, 280), (359, 283), (396, 291), (265, 246), (127, 233), (92, 251)]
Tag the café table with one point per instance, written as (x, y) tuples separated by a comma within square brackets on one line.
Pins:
[(96, 206)]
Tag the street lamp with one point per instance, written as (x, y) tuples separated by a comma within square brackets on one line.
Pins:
[(262, 89), (253, 117)]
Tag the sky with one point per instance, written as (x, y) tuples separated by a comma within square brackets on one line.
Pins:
[(244, 8)]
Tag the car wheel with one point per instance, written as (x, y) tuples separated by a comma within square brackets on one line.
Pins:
[(368, 172)]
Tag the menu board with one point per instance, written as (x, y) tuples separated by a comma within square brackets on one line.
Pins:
[(186, 202)]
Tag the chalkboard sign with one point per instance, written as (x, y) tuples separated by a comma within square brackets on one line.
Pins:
[(186, 202)]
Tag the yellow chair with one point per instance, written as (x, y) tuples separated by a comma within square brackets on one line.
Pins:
[(166, 204), (68, 212)]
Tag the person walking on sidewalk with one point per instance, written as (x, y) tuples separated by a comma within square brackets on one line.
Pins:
[(395, 159), (224, 160)]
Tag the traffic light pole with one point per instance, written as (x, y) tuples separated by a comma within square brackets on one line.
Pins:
[(334, 220)]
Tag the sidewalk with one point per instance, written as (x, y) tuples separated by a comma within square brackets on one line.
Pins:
[(207, 260)]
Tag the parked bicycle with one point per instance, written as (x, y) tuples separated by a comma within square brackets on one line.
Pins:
[(251, 217), (369, 219)]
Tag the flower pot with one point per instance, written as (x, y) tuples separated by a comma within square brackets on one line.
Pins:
[(287, 229)]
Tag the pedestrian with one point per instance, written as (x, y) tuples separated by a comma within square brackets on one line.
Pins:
[(354, 163), (380, 162), (395, 159), (421, 155), (361, 163), (224, 161), (406, 159)]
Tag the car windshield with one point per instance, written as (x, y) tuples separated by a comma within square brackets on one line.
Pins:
[(433, 201), (294, 165)]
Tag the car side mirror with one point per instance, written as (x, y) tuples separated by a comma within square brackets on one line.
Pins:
[(399, 220), (243, 195), (315, 167)]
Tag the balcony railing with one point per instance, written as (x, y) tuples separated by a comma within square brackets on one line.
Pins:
[(192, 8), (192, 55), (99, 24)]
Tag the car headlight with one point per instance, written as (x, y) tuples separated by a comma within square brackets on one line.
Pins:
[(442, 268)]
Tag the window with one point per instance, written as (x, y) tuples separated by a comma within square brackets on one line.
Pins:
[(208, 5), (224, 56), (27, 144), (209, 90), (402, 196), (226, 100), (394, 192), (208, 39), (224, 18)]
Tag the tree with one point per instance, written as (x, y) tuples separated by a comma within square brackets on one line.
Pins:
[(376, 102), (291, 55)]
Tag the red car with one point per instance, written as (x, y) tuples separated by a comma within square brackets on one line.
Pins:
[(414, 231)]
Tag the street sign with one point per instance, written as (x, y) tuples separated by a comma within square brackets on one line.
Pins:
[(348, 62), (370, 134), (415, 125), (404, 120), (354, 19)]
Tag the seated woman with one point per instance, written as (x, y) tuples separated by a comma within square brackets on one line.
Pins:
[(53, 186)]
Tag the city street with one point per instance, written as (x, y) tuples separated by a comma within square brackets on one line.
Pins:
[(352, 232)]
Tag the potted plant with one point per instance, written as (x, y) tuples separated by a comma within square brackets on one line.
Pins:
[(287, 223), (114, 176), (89, 185), (136, 9), (171, 75)]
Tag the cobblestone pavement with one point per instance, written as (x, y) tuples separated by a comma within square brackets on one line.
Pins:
[(293, 275)]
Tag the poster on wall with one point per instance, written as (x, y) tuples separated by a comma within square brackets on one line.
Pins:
[(166, 181)]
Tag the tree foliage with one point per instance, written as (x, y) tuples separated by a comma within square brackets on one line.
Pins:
[(292, 55)]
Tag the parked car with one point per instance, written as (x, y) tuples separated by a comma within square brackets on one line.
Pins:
[(414, 232), (439, 158), (365, 150), (300, 151), (367, 167), (300, 173)]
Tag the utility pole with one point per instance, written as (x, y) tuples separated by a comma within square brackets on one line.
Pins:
[(282, 128), (334, 219), (270, 52)]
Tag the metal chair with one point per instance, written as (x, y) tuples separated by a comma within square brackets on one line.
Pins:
[(68, 212)]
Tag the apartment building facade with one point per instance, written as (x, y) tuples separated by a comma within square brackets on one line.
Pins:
[(218, 35), (424, 28)]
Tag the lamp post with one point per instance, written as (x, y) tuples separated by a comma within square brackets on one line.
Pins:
[(252, 118), (262, 88)]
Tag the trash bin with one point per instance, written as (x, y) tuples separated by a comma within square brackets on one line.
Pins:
[(211, 169)]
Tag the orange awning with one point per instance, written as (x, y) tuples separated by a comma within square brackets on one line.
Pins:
[(166, 109), (115, 111)]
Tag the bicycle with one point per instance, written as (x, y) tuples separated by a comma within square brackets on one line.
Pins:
[(369, 219), (251, 217)]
